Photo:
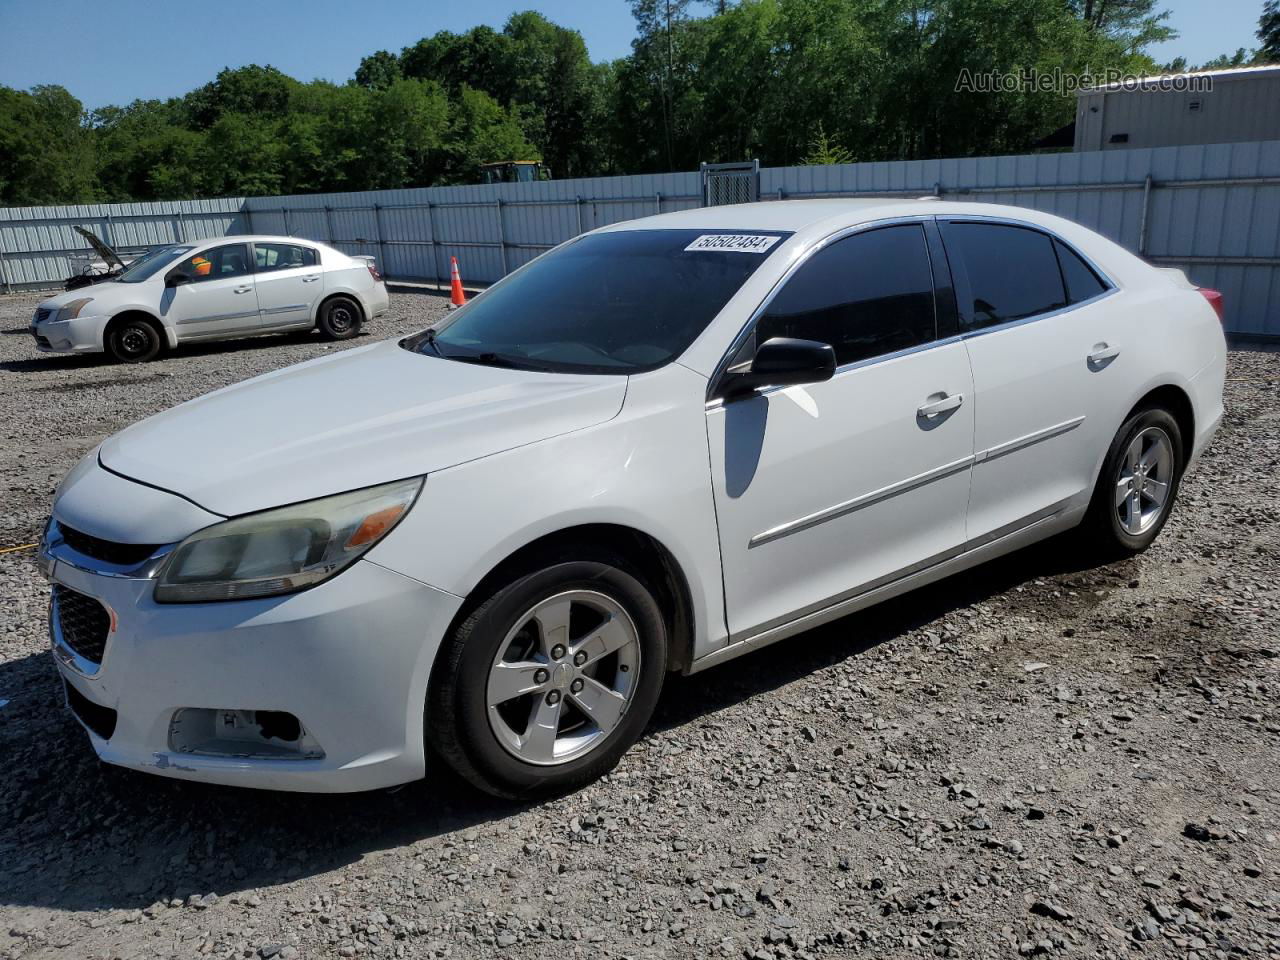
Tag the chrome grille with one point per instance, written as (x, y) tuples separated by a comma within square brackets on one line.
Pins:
[(108, 551), (81, 622)]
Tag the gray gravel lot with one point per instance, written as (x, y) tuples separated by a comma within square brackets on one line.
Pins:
[(1041, 757)]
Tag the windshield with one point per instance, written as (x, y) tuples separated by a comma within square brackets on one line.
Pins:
[(151, 263), (619, 302)]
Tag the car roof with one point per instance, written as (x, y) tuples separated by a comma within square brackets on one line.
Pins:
[(796, 216), (252, 238)]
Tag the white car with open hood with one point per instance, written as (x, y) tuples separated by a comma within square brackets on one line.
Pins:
[(656, 447), (219, 289)]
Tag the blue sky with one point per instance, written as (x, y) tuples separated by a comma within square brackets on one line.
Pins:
[(114, 51)]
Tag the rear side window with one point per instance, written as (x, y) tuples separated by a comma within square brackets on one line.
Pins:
[(282, 256), (1002, 273), (1082, 283), (866, 295)]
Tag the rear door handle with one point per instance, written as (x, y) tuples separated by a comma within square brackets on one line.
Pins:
[(1103, 352), (243, 289), (940, 406), (310, 279)]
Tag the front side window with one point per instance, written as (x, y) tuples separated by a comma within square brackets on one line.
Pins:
[(617, 302), (282, 256), (866, 295), (1002, 272), (218, 263)]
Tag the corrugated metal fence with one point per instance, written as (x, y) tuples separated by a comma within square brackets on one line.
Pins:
[(1212, 210)]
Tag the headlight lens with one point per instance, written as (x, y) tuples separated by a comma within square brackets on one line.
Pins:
[(283, 550), (72, 309)]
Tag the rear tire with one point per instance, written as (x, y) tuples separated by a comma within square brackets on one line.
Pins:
[(545, 685), (1137, 486), (133, 341), (339, 319)]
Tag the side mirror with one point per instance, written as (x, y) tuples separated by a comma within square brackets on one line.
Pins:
[(783, 362), (177, 280)]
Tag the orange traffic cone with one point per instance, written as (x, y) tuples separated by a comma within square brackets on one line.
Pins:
[(456, 295)]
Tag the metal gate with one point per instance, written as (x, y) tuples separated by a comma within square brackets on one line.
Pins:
[(730, 183)]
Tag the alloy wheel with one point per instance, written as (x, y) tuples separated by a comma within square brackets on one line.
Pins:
[(1145, 476), (563, 677)]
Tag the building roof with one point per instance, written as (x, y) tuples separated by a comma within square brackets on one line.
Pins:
[(1226, 73)]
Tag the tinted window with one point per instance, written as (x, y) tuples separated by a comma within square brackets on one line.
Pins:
[(219, 263), (1082, 283), (866, 295), (282, 256), (606, 303), (1002, 273)]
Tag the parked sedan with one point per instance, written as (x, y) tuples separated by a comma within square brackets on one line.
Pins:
[(214, 290), (659, 446)]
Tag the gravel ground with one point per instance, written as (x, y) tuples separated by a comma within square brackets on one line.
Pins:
[(1038, 758)]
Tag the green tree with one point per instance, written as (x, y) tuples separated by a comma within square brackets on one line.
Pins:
[(823, 151), (1269, 32), (378, 70)]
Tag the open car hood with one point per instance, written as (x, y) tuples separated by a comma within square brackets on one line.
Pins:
[(108, 255)]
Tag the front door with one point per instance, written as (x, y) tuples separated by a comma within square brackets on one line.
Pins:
[(827, 490), (289, 282), (220, 299)]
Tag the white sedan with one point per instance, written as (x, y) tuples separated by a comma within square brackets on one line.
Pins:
[(659, 446), (214, 290)]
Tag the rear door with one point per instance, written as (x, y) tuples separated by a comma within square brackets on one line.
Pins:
[(1049, 369), (219, 300), (826, 490), (290, 282)]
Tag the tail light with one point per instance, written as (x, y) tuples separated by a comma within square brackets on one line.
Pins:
[(1215, 301), (373, 272)]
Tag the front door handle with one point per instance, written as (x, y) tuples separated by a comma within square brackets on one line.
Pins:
[(310, 279), (944, 403), (243, 289), (1102, 352)]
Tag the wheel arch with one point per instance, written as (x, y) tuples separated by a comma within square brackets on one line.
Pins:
[(1178, 402), (332, 295), (165, 331), (652, 559)]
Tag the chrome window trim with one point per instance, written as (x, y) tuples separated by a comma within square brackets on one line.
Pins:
[(714, 402)]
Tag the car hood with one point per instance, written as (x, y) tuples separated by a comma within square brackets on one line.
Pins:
[(358, 418), (104, 295), (100, 246)]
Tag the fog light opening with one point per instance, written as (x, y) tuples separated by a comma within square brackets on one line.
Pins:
[(250, 734)]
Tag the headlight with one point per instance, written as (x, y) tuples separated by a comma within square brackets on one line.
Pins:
[(72, 309), (283, 550)]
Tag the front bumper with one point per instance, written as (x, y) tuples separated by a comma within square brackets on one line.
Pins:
[(349, 658), (81, 335)]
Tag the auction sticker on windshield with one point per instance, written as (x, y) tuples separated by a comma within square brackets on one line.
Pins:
[(734, 242)]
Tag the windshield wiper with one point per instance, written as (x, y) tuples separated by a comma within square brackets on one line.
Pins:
[(489, 359)]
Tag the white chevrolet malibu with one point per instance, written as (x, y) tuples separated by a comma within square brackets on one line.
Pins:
[(213, 290), (659, 446)]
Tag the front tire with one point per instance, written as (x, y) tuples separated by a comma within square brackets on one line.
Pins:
[(133, 341), (1137, 486), (547, 682), (339, 319)]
